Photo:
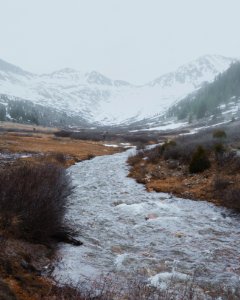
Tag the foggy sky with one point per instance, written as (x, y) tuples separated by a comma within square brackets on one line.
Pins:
[(134, 40)]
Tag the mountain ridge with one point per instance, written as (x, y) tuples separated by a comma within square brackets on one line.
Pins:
[(102, 100)]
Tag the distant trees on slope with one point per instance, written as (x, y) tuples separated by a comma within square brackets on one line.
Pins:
[(27, 112), (206, 101)]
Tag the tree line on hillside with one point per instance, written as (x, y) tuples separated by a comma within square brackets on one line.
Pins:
[(27, 112), (206, 101)]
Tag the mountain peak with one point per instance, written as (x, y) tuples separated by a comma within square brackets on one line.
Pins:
[(217, 63), (204, 68), (95, 77)]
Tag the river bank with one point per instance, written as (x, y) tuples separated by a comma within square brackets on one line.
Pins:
[(197, 167), (26, 267), (169, 177)]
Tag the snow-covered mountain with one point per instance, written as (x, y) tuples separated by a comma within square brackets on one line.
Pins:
[(97, 98)]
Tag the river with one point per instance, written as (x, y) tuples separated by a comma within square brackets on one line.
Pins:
[(183, 237)]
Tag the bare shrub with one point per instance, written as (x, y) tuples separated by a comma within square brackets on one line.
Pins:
[(236, 163), (5, 292), (141, 174), (230, 159), (203, 138), (59, 157), (109, 288), (135, 158), (120, 135), (62, 133), (140, 146), (5, 265), (219, 134), (233, 133), (220, 184), (66, 292), (184, 146), (33, 200), (199, 161), (232, 198), (172, 153), (90, 156), (153, 155), (219, 151)]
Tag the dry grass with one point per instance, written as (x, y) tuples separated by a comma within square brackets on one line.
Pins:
[(26, 127), (21, 265), (177, 180), (48, 144), (170, 174)]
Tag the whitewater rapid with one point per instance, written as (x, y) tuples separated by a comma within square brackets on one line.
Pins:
[(110, 212)]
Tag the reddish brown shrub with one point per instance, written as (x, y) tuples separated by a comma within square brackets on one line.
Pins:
[(33, 200)]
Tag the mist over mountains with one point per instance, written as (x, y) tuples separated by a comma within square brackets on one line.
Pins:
[(221, 95), (71, 97)]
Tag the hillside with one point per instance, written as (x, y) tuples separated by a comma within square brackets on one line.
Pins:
[(90, 97), (214, 100)]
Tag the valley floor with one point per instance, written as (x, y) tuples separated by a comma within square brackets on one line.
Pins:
[(25, 268), (40, 143)]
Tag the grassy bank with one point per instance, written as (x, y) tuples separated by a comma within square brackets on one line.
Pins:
[(204, 166), (64, 150)]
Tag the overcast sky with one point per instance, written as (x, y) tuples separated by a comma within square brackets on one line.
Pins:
[(135, 40)]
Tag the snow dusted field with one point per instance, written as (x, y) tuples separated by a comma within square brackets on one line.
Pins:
[(127, 230)]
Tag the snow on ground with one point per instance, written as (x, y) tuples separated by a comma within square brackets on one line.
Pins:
[(169, 126), (163, 127), (100, 99), (111, 145), (197, 129)]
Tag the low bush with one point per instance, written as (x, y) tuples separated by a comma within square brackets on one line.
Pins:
[(109, 288), (232, 198), (5, 291), (169, 144), (136, 158), (117, 135), (154, 155), (33, 200), (140, 146), (231, 161), (220, 184), (199, 161), (90, 156), (219, 134), (172, 153), (219, 151), (219, 148), (59, 157)]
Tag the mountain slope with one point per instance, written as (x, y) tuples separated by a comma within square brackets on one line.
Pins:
[(97, 98), (222, 95), (24, 111)]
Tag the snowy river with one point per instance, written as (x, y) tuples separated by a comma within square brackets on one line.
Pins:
[(109, 210)]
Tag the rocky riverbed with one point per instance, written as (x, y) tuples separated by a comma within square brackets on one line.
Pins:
[(127, 231)]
